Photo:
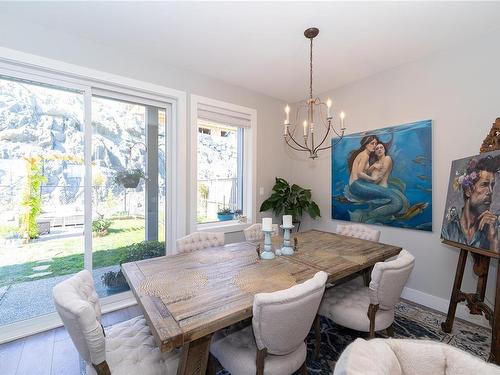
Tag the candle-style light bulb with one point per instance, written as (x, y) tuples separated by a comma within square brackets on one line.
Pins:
[(342, 117), (287, 112), (285, 130), (305, 128), (328, 107)]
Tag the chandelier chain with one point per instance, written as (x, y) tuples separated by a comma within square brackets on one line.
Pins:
[(311, 70)]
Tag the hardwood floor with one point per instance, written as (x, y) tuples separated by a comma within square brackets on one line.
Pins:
[(51, 352)]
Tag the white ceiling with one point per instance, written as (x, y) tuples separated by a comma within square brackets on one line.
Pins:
[(260, 45)]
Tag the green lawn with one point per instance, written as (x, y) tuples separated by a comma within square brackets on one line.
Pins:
[(67, 254)]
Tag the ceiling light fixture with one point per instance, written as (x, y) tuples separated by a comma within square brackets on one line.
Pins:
[(312, 110)]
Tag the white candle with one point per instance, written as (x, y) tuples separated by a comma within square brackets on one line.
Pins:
[(267, 224), (328, 106), (285, 128), (287, 112), (287, 221), (342, 117), (305, 128)]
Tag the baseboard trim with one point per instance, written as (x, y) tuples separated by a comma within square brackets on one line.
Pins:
[(441, 305)]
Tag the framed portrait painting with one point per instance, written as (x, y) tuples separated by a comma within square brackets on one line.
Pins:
[(384, 176), (473, 202)]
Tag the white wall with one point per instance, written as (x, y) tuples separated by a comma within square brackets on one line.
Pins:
[(41, 41), (459, 90)]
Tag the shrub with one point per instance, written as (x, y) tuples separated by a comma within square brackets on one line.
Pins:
[(100, 227), (135, 252)]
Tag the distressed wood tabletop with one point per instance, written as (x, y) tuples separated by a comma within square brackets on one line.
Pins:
[(187, 296)]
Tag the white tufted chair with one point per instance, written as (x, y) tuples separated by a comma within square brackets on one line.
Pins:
[(369, 309), (128, 348), (409, 357), (281, 322), (198, 241), (358, 231), (254, 232)]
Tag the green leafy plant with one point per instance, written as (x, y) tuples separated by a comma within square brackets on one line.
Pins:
[(129, 178), (135, 252), (292, 200), (224, 211), (100, 227), (32, 199)]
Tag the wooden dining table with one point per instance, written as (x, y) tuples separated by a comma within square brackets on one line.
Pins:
[(187, 297)]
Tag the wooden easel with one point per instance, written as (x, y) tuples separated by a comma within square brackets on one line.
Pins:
[(475, 301)]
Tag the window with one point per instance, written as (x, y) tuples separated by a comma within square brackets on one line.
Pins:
[(223, 162), (64, 140)]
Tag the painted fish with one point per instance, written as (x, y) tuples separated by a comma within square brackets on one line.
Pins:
[(414, 210), (398, 183), (424, 226), (419, 160), (423, 177), (428, 190)]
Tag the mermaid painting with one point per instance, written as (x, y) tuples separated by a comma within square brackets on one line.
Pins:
[(373, 194)]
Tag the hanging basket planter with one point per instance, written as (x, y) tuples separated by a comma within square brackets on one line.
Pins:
[(129, 179)]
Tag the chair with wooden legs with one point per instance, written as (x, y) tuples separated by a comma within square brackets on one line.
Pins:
[(254, 232), (368, 309), (363, 232), (127, 348), (198, 241), (274, 344)]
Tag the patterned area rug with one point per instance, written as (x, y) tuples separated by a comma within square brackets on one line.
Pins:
[(411, 322)]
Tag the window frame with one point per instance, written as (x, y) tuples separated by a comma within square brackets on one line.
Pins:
[(248, 165), (90, 82)]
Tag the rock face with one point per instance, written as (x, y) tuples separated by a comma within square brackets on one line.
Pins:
[(46, 122)]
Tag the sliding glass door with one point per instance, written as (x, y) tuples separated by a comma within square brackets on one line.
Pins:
[(128, 173), (82, 185)]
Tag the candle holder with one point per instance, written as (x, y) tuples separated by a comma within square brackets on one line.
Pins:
[(287, 248), (268, 248)]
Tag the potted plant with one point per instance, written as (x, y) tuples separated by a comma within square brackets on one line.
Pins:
[(225, 214), (115, 280), (129, 178), (292, 200)]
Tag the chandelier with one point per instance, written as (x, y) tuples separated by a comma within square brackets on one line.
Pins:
[(312, 111)]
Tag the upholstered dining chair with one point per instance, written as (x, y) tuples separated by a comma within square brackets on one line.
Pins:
[(358, 231), (127, 348), (409, 357), (368, 309), (361, 232), (274, 344), (198, 241), (254, 232)]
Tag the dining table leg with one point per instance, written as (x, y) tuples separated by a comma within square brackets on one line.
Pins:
[(194, 357)]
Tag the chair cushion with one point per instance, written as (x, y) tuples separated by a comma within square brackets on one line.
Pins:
[(358, 231), (237, 353), (131, 349), (347, 305)]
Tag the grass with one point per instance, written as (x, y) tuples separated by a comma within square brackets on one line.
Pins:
[(65, 256)]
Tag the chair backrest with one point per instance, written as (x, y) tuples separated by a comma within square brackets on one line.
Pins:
[(282, 320), (389, 279), (254, 232), (358, 231), (78, 306), (198, 241)]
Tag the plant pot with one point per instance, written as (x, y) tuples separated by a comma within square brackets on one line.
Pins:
[(117, 289), (130, 181), (225, 217)]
